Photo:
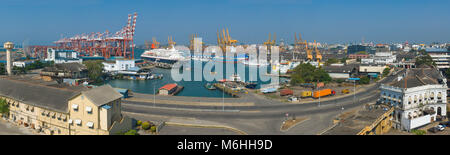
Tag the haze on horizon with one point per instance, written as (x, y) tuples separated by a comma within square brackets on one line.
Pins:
[(249, 21)]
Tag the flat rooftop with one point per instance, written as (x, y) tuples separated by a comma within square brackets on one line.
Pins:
[(353, 122)]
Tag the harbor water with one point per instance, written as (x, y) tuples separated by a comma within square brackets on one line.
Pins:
[(191, 88)]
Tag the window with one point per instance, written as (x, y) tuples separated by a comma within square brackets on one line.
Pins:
[(90, 125), (78, 122), (89, 110), (70, 121), (75, 107)]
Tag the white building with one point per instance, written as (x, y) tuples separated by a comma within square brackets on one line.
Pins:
[(118, 65), (62, 56), (441, 56), (380, 58), (22, 63), (419, 99)]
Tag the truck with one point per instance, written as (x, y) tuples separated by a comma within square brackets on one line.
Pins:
[(323, 93), (268, 90), (306, 94), (285, 92), (345, 91)]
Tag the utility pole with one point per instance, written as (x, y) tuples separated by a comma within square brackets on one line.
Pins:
[(223, 97), (154, 95)]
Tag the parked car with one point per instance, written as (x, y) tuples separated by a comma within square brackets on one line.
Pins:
[(441, 127), (446, 124), (433, 129)]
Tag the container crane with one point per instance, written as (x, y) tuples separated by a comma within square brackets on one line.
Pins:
[(269, 43)]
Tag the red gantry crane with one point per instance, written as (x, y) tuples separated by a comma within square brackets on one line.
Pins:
[(120, 43)]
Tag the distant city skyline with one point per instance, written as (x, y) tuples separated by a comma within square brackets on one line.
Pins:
[(249, 21)]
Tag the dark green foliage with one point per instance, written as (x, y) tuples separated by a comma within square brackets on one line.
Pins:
[(95, 70), (386, 71), (4, 108), (306, 73), (364, 80), (425, 60), (131, 132)]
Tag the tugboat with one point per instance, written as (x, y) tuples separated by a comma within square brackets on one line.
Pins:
[(210, 86), (251, 85)]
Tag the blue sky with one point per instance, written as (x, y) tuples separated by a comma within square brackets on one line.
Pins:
[(249, 21)]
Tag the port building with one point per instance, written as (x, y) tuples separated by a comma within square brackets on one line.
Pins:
[(419, 96), (57, 110)]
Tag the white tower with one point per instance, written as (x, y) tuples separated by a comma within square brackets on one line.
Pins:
[(8, 46)]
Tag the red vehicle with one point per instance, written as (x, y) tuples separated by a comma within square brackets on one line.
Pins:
[(285, 92)]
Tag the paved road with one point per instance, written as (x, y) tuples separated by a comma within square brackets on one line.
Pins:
[(183, 130)]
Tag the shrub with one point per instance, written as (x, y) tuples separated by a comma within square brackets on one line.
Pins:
[(419, 132), (138, 123), (146, 125), (153, 129), (131, 132)]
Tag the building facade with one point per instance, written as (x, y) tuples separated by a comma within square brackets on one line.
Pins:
[(119, 65), (418, 96), (57, 111), (63, 56)]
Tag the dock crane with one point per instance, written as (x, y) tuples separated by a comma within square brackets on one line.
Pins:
[(170, 41), (155, 44), (318, 54), (224, 39), (193, 36), (269, 43), (309, 52)]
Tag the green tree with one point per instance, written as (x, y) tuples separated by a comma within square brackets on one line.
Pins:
[(95, 70), (425, 60), (307, 73), (364, 80), (2, 69), (146, 125), (386, 72), (4, 107), (447, 73), (153, 129), (331, 61), (343, 60)]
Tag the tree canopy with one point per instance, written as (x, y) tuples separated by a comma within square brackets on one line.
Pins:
[(95, 70), (425, 60), (307, 73), (4, 108)]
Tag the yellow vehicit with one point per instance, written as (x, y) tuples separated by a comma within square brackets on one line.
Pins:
[(345, 91), (305, 94)]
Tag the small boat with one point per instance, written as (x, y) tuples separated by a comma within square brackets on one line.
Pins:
[(251, 85), (235, 78), (210, 86)]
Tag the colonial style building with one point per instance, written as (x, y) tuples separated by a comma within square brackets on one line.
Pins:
[(419, 96), (62, 111)]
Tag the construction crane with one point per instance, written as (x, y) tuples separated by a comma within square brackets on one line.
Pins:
[(120, 43), (300, 45), (318, 55), (193, 36), (224, 39), (269, 43), (170, 41), (155, 44), (309, 53)]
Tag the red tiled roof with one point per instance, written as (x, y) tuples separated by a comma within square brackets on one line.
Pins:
[(169, 86)]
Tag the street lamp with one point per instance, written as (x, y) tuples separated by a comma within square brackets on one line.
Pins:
[(354, 87)]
